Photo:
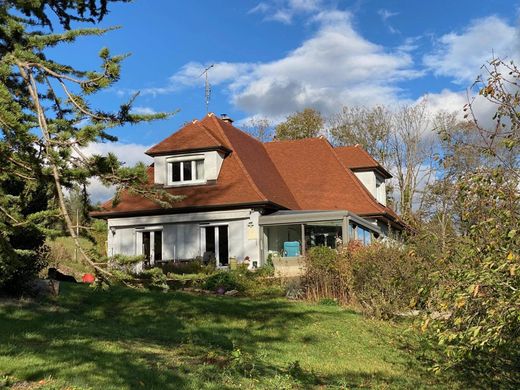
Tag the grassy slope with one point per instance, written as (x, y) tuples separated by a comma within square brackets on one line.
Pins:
[(62, 256), (133, 339)]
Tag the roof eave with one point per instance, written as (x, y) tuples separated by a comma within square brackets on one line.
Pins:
[(181, 210), (221, 148)]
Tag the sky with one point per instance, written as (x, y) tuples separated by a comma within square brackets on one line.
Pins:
[(274, 57)]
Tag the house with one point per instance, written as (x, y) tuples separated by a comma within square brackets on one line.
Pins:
[(245, 199)]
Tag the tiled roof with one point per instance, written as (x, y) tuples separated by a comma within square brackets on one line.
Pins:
[(304, 174), (355, 157), (192, 136), (320, 181)]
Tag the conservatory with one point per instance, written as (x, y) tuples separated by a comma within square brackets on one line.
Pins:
[(287, 235)]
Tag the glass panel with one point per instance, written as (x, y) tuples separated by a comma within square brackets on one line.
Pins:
[(284, 240), (186, 168), (176, 171), (368, 237), (352, 232), (223, 253), (146, 245), (323, 235), (158, 245), (200, 169)]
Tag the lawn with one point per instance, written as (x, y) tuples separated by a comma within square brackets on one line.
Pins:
[(131, 339)]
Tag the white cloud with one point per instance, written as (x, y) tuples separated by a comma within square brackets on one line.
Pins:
[(191, 73), (461, 55), (285, 10), (386, 14), (448, 101), (334, 67), (143, 110), (130, 154)]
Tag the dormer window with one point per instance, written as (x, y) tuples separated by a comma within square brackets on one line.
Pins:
[(185, 170)]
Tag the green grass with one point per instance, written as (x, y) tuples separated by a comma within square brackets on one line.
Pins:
[(131, 339)]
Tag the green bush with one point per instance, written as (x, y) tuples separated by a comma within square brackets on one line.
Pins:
[(328, 275), (381, 278), (227, 280), (157, 279), (387, 279), (19, 267), (249, 283), (194, 266), (479, 296)]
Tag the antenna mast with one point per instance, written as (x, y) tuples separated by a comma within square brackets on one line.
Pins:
[(207, 88)]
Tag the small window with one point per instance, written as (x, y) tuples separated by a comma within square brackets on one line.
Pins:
[(186, 171)]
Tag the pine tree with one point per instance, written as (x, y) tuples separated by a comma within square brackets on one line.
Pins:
[(46, 120)]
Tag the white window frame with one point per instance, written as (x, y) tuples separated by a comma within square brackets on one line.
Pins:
[(139, 242), (193, 159), (217, 243)]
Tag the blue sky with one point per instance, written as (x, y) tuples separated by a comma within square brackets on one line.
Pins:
[(274, 57)]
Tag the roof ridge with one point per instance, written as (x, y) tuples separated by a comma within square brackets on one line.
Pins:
[(294, 140), (239, 160), (357, 182)]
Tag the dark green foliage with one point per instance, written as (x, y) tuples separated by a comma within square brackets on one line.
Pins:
[(227, 280), (46, 121)]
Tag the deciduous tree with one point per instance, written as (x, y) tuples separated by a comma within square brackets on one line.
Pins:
[(304, 124)]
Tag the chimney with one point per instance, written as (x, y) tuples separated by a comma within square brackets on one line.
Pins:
[(226, 118)]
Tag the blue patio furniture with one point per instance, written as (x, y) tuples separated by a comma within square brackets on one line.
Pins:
[(291, 248)]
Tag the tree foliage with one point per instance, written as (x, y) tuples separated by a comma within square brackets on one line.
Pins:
[(479, 297), (46, 118), (304, 124)]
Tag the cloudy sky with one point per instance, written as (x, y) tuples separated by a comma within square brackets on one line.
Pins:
[(274, 57)]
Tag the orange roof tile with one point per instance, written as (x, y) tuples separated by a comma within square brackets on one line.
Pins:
[(193, 136), (304, 174), (355, 157)]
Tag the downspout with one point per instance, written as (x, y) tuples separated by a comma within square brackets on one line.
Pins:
[(303, 239), (345, 230)]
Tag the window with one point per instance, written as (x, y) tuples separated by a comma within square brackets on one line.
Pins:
[(186, 171)]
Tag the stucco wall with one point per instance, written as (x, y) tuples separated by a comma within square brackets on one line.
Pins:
[(212, 164), (370, 179), (182, 233)]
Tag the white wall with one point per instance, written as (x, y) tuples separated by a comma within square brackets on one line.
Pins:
[(182, 233), (212, 164), (370, 179)]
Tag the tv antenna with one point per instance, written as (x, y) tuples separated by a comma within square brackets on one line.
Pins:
[(207, 88)]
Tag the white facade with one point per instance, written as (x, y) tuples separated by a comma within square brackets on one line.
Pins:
[(212, 164), (375, 183), (184, 236)]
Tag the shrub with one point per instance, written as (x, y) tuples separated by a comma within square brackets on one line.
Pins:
[(480, 294), (250, 283), (328, 274), (381, 278), (227, 280), (194, 266), (19, 267), (386, 279), (157, 279)]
